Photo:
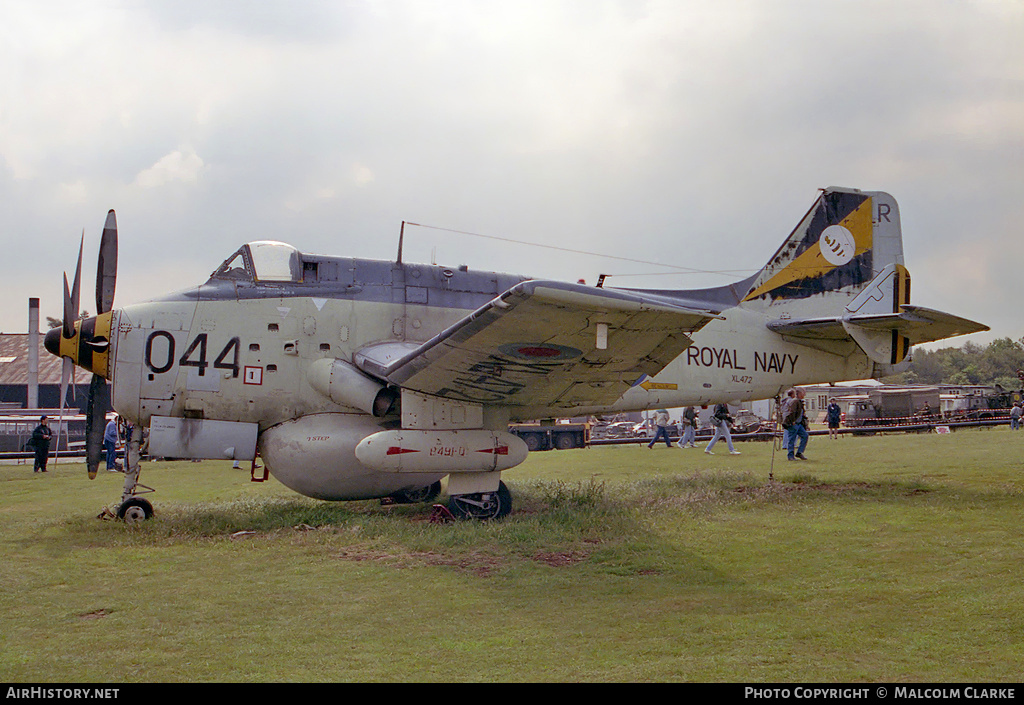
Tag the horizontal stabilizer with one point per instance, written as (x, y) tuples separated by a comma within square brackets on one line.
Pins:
[(877, 334), (544, 344), (881, 320), (921, 325)]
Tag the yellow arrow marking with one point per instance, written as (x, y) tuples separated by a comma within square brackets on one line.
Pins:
[(658, 385)]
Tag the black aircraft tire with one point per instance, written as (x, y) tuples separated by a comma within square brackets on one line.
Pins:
[(423, 494), (498, 505), (135, 510)]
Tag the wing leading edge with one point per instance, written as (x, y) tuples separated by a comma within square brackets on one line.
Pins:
[(544, 344)]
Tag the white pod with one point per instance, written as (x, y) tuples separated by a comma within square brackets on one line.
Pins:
[(474, 450)]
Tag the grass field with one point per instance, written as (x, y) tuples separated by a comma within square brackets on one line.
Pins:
[(886, 558)]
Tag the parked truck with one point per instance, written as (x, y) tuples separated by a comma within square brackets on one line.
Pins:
[(892, 406), (560, 434), (980, 404)]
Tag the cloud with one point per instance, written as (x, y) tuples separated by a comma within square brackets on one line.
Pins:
[(177, 166), (690, 132)]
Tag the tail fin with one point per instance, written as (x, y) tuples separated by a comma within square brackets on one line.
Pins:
[(840, 276), (847, 237)]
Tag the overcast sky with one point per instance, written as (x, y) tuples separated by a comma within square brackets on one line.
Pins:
[(690, 133)]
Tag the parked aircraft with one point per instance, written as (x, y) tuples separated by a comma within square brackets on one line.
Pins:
[(356, 379)]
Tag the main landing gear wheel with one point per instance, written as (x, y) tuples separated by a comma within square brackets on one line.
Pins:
[(423, 494), (482, 506), (134, 510)]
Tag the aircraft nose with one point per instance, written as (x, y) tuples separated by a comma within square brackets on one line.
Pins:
[(89, 345), (51, 341)]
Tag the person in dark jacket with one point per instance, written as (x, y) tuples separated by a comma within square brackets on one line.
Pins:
[(110, 438), (721, 420), (41, 436), (834, 415), (794, 421), (689, 422)]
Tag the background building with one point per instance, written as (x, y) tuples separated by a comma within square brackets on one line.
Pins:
[(14, 377)]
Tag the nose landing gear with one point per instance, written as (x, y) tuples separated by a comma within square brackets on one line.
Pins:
[(132, 509)]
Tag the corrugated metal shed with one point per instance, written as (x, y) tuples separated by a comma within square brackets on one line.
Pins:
[(14, 361), (14, 376)]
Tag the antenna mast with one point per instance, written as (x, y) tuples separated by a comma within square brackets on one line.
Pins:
[(401, 237)]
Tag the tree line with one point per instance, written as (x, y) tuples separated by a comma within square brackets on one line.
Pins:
[(998, 363)]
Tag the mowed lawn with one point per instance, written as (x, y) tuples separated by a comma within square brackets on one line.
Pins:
[(890, 558)]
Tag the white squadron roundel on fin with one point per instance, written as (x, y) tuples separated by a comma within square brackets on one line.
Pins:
[(837, 245)]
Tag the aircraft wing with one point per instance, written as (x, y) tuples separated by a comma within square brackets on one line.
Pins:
[(918, 324), (544, 344)]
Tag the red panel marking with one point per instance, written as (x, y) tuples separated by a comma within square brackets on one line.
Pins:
[(395, 450), (500, 450), (537, 351)]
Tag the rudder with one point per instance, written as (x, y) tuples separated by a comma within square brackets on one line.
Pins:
[(887, 294)]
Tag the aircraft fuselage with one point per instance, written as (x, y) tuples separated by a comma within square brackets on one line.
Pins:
[(213, 354), (247, 359)]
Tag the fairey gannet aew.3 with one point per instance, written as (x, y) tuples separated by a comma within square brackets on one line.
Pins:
[(356, 379)]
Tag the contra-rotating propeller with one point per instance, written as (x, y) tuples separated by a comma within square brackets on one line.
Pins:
[(86, 342)]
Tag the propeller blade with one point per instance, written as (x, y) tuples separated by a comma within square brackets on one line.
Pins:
[(68, 325), (106, 270), (73, 297), (95, 424), (66, 371), (76, 292)]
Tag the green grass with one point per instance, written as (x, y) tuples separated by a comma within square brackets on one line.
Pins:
[(885, 558)]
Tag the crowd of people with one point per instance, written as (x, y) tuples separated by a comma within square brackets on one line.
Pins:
[(792, 418), (43, 434), (721, 420)]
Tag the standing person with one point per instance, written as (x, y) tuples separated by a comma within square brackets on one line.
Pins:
[(794, 420), (41, 436), (721, 419), (661, 422), (834, 413), (784, 420), (110, 444), (689, 422), (1015, 414)]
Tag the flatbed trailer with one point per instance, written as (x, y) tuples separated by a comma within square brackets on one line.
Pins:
[(552, 436)]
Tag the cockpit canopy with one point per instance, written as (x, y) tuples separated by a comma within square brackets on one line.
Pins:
[(262, 261)]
